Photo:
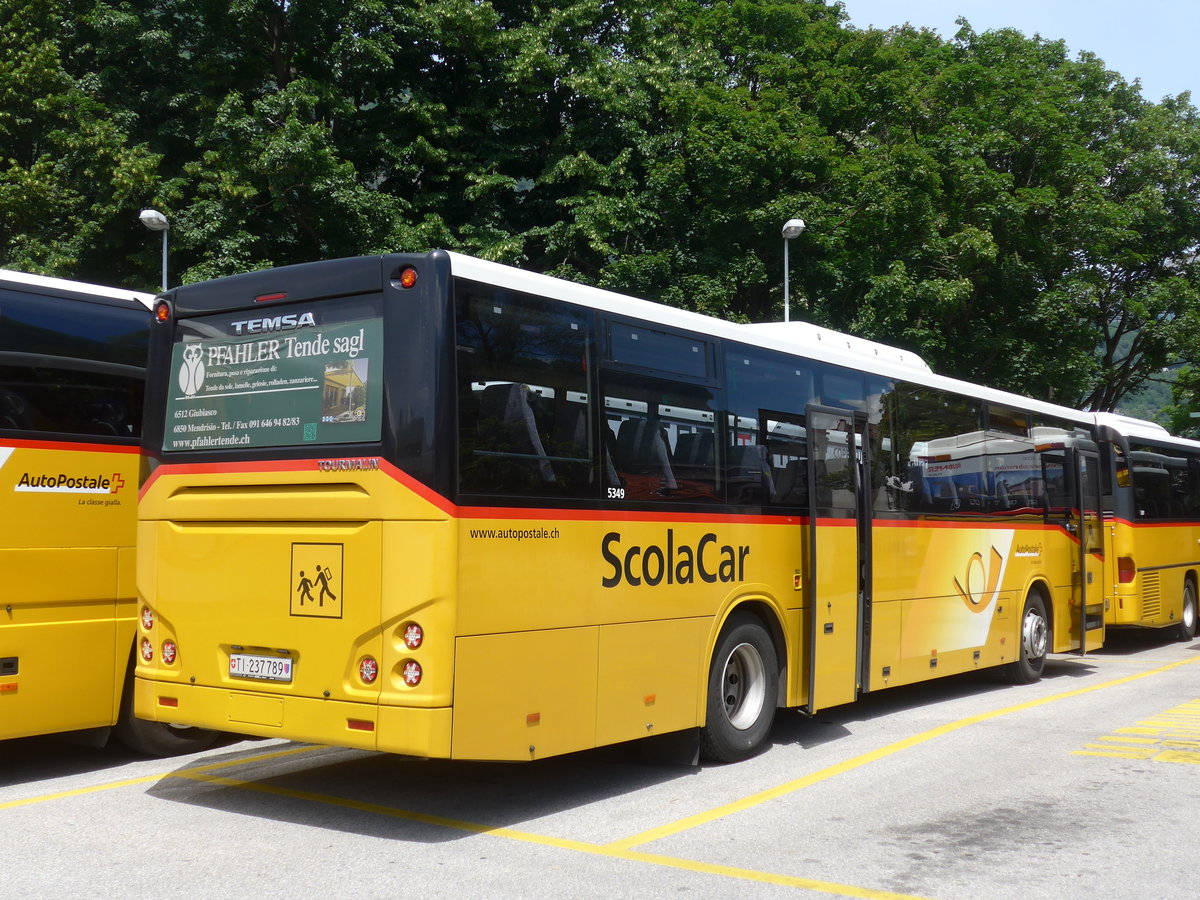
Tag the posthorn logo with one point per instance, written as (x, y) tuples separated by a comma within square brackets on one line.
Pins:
[(191, 373)]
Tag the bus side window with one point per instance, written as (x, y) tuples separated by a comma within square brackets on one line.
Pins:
[(766, 446), (523, 402), (13, 411)]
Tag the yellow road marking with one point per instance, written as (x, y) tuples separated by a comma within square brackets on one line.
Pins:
[(1175, 756), (1128, 740), (1118, 754), (844, 890), (849, 765), (1168, 733), (1138, 753)]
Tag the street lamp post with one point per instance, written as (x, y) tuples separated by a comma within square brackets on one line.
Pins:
[(156, 221), (791, 228)]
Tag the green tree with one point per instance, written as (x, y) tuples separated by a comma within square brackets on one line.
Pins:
[(69, 172), (1183, 414)]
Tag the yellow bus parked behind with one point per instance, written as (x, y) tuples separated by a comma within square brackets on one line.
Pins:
[(72, 373), (1154, 526)]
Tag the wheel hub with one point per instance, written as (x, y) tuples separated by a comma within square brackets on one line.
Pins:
[(744, 687)]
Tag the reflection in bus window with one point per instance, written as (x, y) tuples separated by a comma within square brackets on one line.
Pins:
[(767, 442), (524, 410), (65, 373), (1165, 484), (660, 439)]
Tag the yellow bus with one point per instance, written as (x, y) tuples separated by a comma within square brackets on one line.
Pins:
[(437, 506), (72, 373), (1154, 526)]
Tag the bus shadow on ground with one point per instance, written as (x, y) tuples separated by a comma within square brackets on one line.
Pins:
[(418, 800), (46, 757), (437, 801), (828, 725), (1129, 641)]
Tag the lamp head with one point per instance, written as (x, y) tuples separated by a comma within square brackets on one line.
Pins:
[(793, 228), (154, 220)]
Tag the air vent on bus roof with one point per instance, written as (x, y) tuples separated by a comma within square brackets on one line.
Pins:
[(814, 340)]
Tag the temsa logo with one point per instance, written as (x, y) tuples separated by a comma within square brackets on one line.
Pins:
[(287, 322)]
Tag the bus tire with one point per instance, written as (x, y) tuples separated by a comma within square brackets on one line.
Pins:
[(742, 686), (1032, 640), (158, 738), (1185, 628)]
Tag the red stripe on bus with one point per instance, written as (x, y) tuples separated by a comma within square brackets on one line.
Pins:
[(74, 446)]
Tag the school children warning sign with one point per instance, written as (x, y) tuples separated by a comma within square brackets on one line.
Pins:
[(316, 582)]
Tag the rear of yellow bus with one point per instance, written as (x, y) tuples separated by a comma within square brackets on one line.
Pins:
[(296, 558)]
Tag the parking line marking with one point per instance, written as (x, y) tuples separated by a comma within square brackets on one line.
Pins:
[(158, 776), (1116, 754), (843, 890), (737, 806), (1169, 737), (1117, 739)]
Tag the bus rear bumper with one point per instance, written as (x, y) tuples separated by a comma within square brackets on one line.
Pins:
[(405, 730)]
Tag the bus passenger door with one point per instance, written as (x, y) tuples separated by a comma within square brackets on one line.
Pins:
[(839, 556), (1087, 523)]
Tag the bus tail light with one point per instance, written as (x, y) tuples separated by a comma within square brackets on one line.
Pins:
[(147, 649), (414, 635), (411, 670), (1126, 570), (147, 618), (368, 669), (169, 652), (408, 277), (162, 311)]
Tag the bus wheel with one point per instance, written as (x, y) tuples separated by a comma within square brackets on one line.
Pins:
[(1185, 628), (742, 686), (1035, 632)]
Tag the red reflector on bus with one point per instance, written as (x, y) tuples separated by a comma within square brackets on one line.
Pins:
[(264, 298), (533, 718), (360, 725), (9, 687), (1126, 570), (172, 702)]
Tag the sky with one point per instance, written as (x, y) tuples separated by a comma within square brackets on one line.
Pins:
[(1154, 41)]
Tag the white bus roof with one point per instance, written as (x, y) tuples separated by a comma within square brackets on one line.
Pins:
[(9, 276), (799, 338), (1140, 428)]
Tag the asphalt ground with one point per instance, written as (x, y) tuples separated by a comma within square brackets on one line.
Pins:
[(1085, 785)]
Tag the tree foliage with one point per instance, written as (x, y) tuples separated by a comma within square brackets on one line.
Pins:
[(1017, 216)]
